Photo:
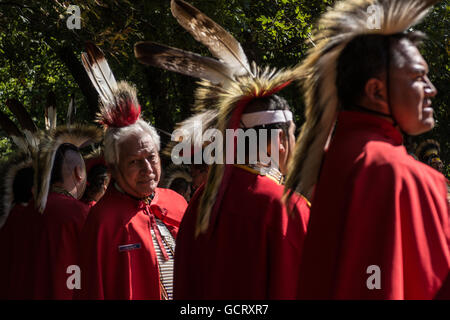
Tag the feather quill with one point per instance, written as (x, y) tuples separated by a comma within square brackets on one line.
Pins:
[(50, 111), (13, 132), (28, 126), (220, 42), (184, 62), (99, 72), (71, 111), (22, 115)]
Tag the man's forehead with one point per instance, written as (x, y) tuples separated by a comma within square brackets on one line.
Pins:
[(134, 144), (409, 55)]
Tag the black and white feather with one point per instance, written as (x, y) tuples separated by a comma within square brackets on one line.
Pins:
[(99, 72)]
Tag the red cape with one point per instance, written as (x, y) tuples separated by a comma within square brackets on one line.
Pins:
[(17, 240), (118, 260), (58, 246), (254, 250), (375, 205)]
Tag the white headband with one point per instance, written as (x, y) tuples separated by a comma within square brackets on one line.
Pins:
[(249, 120)]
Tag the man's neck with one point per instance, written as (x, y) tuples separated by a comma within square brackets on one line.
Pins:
[(147, 198), (61, 189), (365, 109)]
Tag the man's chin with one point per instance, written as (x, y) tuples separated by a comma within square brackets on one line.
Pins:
[(148, 190), (424, 127)]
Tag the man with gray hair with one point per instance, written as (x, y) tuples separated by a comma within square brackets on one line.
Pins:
[(129, 237)]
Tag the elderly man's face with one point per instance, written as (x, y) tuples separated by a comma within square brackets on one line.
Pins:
[(411, 91), (139, 168)]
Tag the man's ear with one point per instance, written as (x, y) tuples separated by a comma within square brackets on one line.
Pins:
[(376, 93), (282, 141), (79, 173)]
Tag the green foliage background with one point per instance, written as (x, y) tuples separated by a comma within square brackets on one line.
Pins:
[(39, 54)]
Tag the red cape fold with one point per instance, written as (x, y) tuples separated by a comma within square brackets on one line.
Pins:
[(254, 251), (118, 260), (374, 205), (17, 248), (58, 246)]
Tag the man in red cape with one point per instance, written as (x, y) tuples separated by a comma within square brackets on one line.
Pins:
[(238, 239), (60, 183), (379, 226), (250, 245), (129, 237)]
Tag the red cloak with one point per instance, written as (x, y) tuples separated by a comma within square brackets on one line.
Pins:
[(17, 240), (374, 205), (58, 246), (254, 250), (118, 259)]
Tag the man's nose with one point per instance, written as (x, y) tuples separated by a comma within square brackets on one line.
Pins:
[(147, 166), (430, 89)]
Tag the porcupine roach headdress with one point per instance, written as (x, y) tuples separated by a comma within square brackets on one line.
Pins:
[(77, 135), (173, 172), (344, 22), (14, 171), (17, 170), (428, 150), (27, 141), (118, 103), (229, 84)]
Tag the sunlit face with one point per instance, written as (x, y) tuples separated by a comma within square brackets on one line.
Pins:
[(139, 168), (411, 91), (289, 145)]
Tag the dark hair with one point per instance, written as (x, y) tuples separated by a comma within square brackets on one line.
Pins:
[(22, 185), (363, 58), (57, 172), (96, 179)]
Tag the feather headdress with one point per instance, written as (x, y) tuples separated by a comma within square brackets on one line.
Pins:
[(9, 171), (28, 143), (13, 132), (119, 106), (27, 140), (29, 128), (337, 27), (228, 84), (77, 135)]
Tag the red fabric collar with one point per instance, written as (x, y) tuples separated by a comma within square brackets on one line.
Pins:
[(362, 121)]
